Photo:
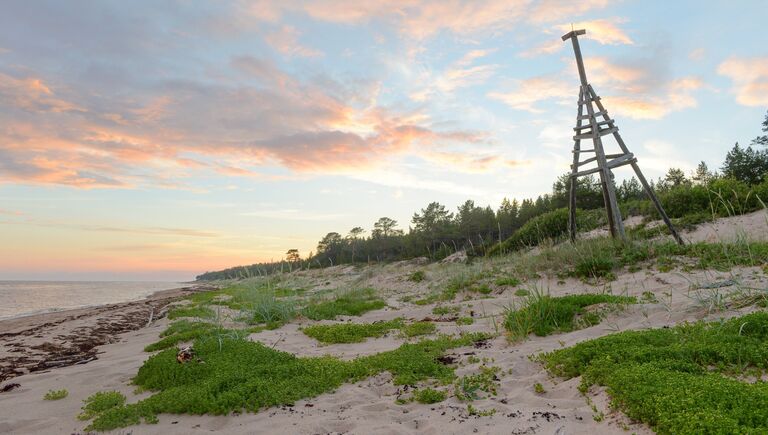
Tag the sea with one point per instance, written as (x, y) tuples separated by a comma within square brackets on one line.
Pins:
[(24, 298)]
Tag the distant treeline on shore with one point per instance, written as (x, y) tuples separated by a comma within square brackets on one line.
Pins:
[(740, 186)]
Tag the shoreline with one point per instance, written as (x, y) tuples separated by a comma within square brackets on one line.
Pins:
[(43, 341)]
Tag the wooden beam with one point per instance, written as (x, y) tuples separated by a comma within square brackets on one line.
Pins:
[(573, 33), (590, 135)]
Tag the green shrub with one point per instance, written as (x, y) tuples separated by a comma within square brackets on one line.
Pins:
[(551, 225), (350, 332), (543, 314), (352, 303), (56, 394), (429, 396), (673, 379)]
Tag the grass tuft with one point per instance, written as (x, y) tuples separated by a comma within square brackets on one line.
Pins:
[(543, 315)]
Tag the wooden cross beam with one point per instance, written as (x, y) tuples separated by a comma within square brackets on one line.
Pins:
[(592, 131)]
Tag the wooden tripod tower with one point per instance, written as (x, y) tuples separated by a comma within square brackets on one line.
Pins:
[(594, 129)]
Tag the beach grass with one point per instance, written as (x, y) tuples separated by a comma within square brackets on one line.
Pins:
[(542, 315)]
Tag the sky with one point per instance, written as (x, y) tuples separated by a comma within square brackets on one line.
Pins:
[(156, 140)]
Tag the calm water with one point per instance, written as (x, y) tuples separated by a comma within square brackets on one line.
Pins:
[(19, 298)]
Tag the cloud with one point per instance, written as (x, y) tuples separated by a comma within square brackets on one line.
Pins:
[(547, 11), (604, 31), (285, 40), (638, 90), (422, 19), (530, 91), (460, 74), (749, 77)]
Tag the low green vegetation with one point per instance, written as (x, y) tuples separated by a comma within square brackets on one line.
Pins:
[(522, 292), (470, 387), (688, 379), (198, 311), (56, 394), (510, 281), (542, 314), (239, 375), (351, 303), (417, 276), (351, 332), (443, 310), (418, 328), (359, 332), (465, 321), (429, 396), (179, 332), (101, 402), (538, 388)]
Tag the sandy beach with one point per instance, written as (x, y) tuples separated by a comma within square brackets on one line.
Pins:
[(102, 349)]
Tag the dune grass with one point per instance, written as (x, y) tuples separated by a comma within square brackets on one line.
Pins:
[(543, 315), (240, 375), (688, 379)]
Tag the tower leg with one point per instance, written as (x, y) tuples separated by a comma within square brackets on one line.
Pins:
[(574, 169), (655, 200)]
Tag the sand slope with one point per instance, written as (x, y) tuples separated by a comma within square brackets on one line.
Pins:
[(369, 407)]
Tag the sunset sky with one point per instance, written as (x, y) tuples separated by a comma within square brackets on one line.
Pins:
[(156, 140)]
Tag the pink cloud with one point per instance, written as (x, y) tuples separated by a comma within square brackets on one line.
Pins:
[(749, 77)]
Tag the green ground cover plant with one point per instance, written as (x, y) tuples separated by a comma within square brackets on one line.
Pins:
[(510, 281), (351, 303), (418, 328), (429, 396), (100, 402), (241, 375), (465, 321), (688, 379), (470, 387), (180, 331), (542, 314), (417, 276), (56, 394), (442, 310), (351, 332)]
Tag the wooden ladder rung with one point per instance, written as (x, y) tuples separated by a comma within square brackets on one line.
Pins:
[(583, 151), (599, 124), (596, 115), (602, 132)]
